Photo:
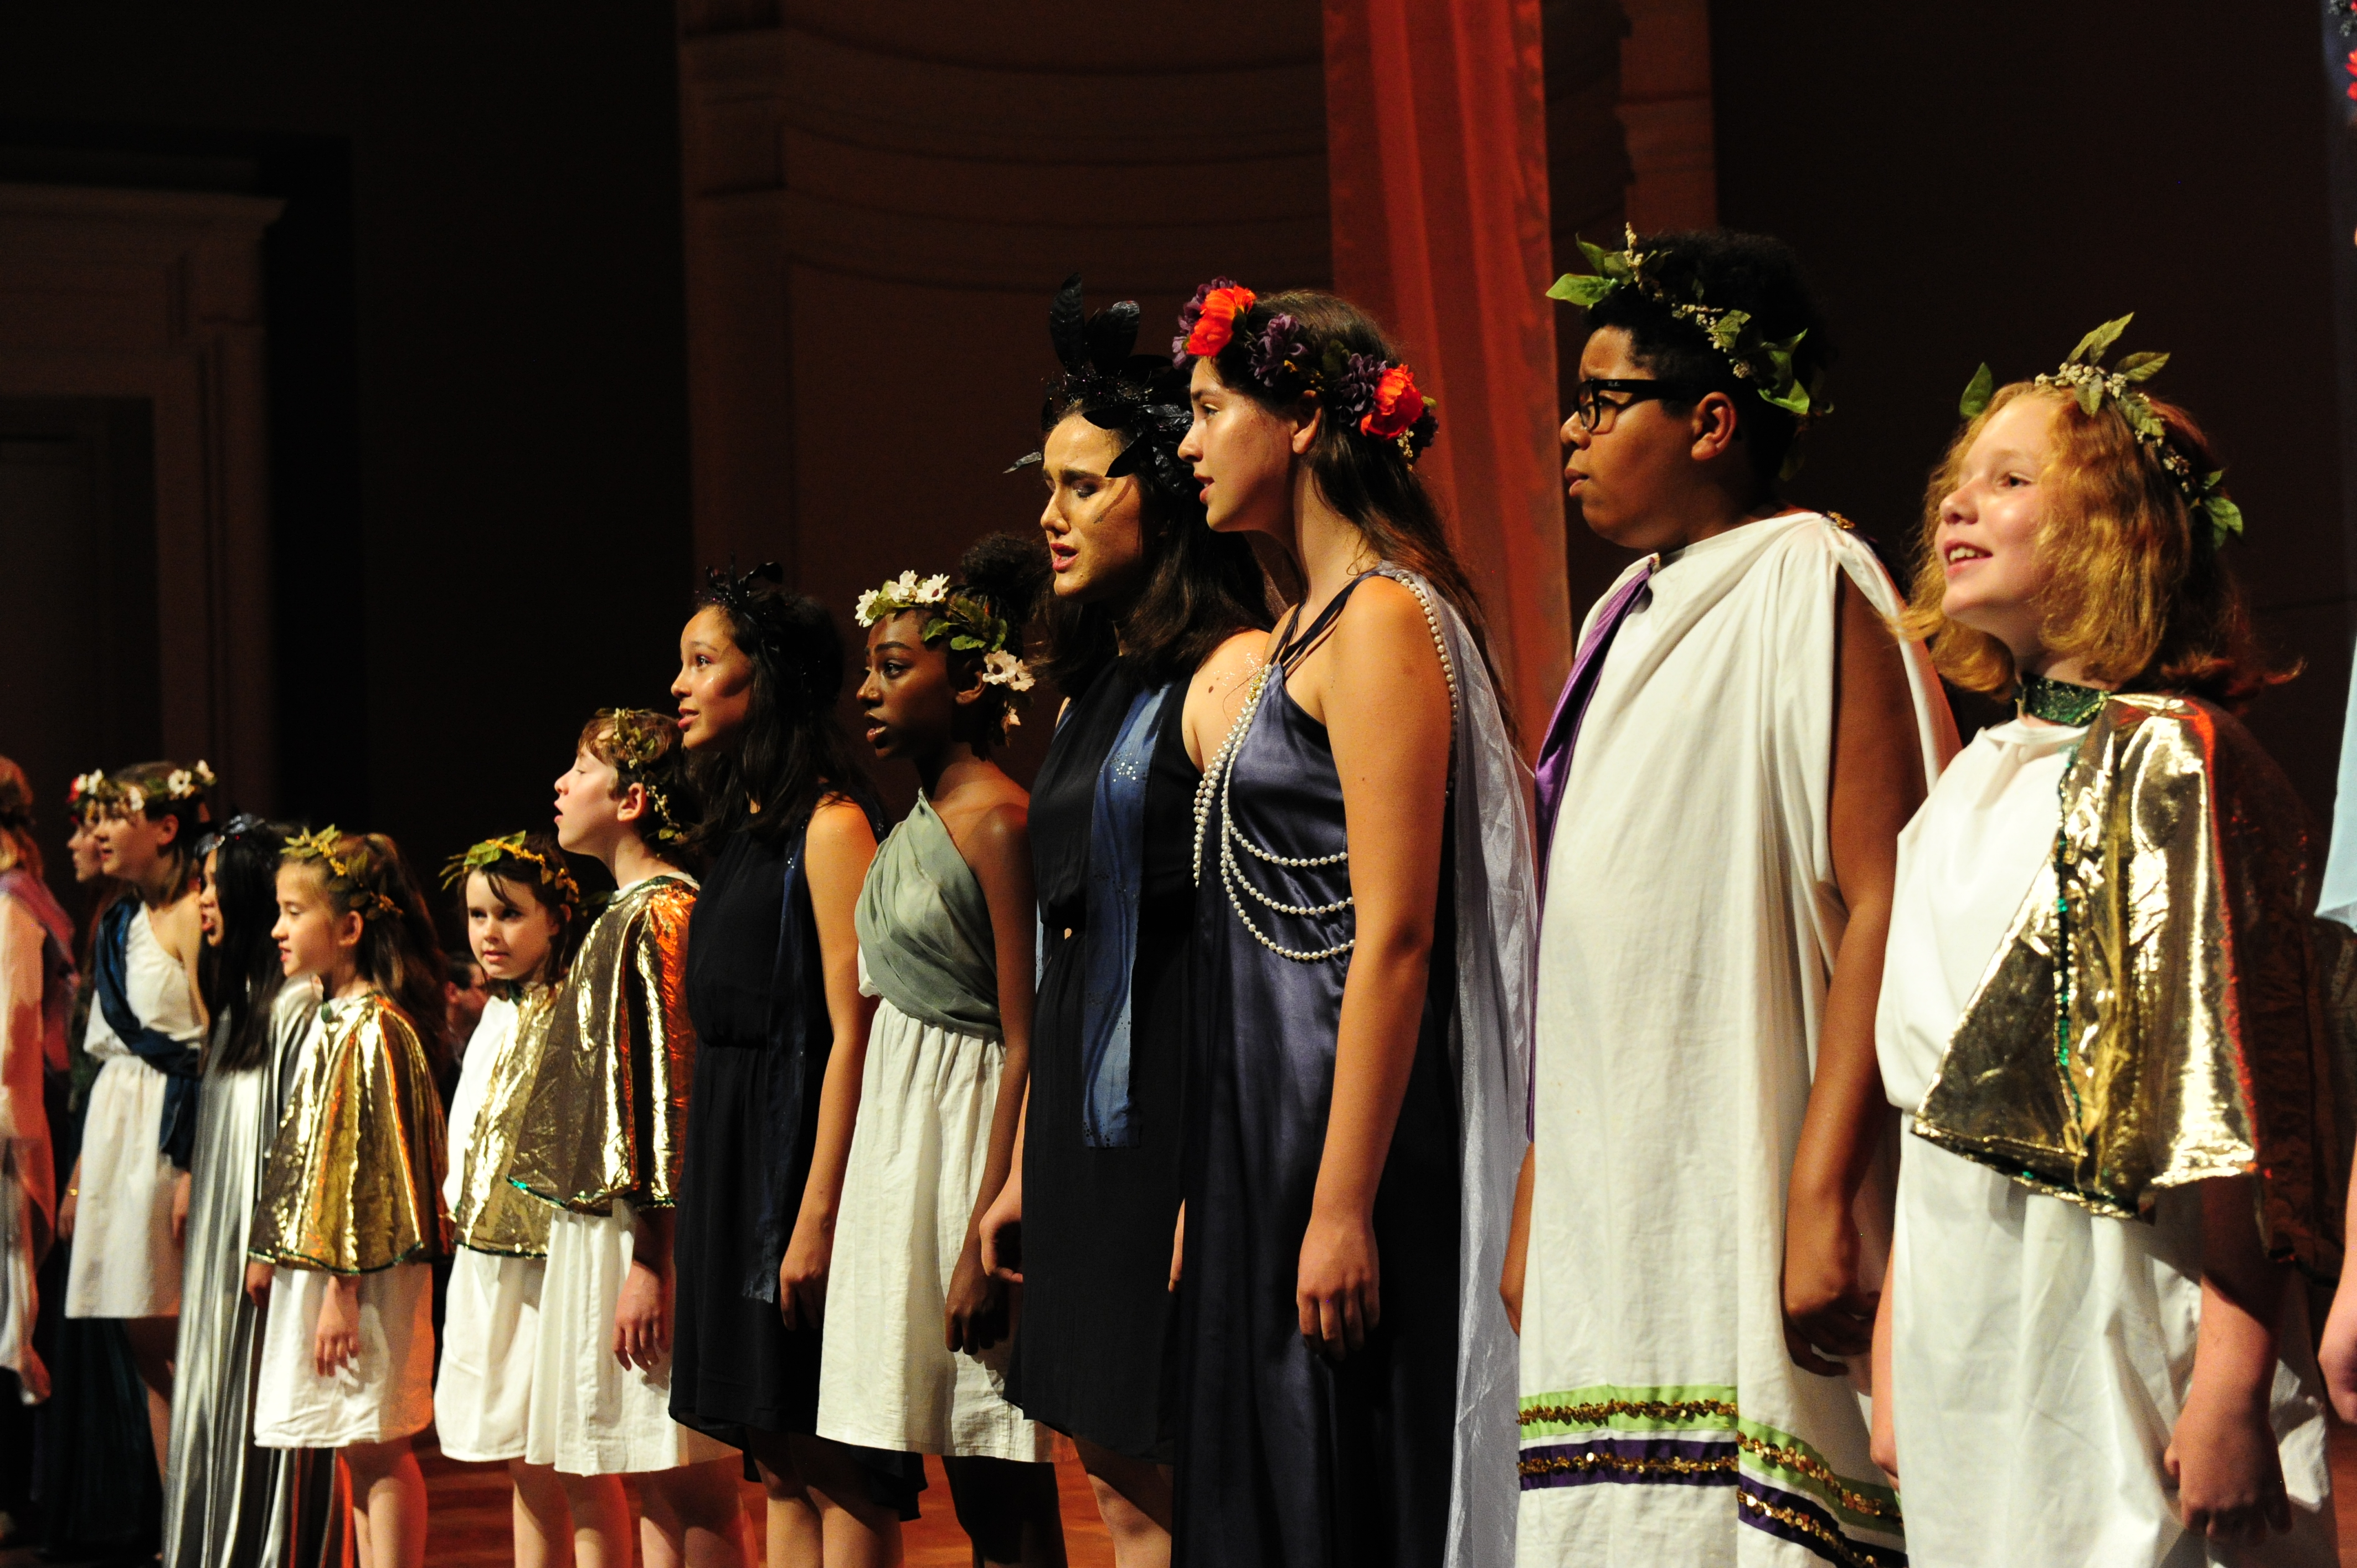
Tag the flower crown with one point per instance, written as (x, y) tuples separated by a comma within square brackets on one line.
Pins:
[(636, 738), (1378, 396), (2083, 375), (95, 790), (966, 618), (320, 848), (554, 875), (1765, 362)]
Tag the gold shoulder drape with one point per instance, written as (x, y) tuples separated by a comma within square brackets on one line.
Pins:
[(354, 1183), (492, 1216), (2206, 1035), (608, 1114)]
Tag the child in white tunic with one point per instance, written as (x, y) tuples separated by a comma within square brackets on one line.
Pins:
[(521, 909), (350, 1213), (600, 1139), (2100, 1008), (146, 1020), (915, 1355)]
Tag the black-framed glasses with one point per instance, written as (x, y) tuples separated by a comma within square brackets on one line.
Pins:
[(1595, 413)]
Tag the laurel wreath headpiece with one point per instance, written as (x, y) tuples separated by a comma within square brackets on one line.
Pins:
[(321, 848), (638, 737), (1765, 362), (966, 618), (554, 877), (95, 790), (2083, 376)]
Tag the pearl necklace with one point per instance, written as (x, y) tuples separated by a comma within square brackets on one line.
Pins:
[(1218, 779)]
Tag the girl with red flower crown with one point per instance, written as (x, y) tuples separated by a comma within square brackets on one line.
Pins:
[(1363, 970)]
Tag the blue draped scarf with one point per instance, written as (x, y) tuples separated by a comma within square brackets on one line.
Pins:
[(180, 1064), (1116, 875)]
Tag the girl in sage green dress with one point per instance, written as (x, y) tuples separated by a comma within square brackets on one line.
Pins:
[(917, 1330)]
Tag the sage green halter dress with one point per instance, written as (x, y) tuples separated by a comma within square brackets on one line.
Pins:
[(934, 1054)]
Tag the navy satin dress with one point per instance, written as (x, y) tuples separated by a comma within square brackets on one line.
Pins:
[(1285, 1457)]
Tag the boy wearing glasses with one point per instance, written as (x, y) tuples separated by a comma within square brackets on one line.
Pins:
[(1697, 1248)]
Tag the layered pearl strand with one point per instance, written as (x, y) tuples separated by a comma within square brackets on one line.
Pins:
[(1219, 781)]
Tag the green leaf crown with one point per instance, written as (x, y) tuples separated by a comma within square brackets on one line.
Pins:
[(1765, 362), (638, 738), (321, 848), (554, 877), (2083, 376)]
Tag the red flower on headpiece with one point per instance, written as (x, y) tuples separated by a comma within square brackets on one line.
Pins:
[(1398, 404), (1217, 324)]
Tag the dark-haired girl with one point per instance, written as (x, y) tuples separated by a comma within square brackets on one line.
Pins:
[(124, 1206), (523, 913), (1363, 911), (916, 1351), (1152, 637), (1750, 737), (350, 1218), (227, 1503), (773, 988), (2103, 1013)]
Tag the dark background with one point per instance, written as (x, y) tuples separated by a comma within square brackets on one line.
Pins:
[(480, 491)]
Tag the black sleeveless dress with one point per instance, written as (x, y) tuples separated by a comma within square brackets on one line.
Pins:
[(757, 996), (1092, 1354), (1284, 1457)]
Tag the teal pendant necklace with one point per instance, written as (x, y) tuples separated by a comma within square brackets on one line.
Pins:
[(2057, 701)]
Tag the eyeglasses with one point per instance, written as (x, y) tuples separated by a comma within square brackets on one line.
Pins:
[(1595, 415)]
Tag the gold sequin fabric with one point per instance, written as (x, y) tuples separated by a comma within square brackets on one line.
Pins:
[(2200, 1032), (606, 1117), (492, 1215), (354, 1183)]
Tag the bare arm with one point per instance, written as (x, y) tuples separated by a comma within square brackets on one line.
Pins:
[(1380, 691), (1517, 1241), (999, 850), (1878, 782), (2229, 1484), (2337, 1355), (642, 1312), (1001, 1222), (840, 846)]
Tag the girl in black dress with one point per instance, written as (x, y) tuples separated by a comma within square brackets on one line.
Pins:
[(1156, 628), (773, 988)]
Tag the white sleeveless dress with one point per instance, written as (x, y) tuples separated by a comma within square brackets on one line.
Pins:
[(125, 1264)]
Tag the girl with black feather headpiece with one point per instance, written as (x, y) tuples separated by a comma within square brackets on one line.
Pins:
[(1154, 629)]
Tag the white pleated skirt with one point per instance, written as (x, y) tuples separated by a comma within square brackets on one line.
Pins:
[(491, 1334), (125, 1264), (886, 1380), (590, 1415), (388, 1392)]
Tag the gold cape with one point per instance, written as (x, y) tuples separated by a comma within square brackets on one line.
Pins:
[(2205, 1038), (608, 1114), (354, 1182), (492, 1216)]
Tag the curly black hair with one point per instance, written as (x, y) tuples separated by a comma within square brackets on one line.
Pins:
[(1727, 271)]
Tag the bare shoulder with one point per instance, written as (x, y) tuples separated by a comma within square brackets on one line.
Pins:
[(840, 825), (1383, 625), (1232, 664)]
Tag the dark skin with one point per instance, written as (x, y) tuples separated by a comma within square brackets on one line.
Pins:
[(1656, 477), (939, 716)]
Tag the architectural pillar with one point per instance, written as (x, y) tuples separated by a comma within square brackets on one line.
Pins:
[(1437, 149)]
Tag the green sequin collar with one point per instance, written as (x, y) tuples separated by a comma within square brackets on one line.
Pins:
[(2057, 701)]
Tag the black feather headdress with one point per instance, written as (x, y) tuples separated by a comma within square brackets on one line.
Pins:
[(1140, 396)]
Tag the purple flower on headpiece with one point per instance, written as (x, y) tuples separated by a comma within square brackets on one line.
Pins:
[(1355, 394), (1280, 340)]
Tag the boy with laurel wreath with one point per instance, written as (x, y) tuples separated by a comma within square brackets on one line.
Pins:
[(600, 1137), (1720, 794)]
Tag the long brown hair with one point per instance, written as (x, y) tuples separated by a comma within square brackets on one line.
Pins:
[(1369, 482), (17, 845), (2136, 590)]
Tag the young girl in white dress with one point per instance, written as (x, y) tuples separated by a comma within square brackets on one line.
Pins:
[(917, 1330), (523, 911), (126, 1200), (351, 1214), (2102, 1011)]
